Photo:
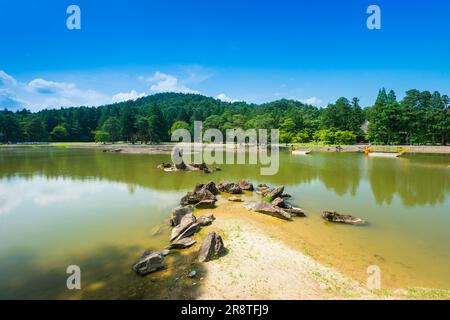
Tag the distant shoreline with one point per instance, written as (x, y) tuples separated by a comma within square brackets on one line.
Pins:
[(166, 148)]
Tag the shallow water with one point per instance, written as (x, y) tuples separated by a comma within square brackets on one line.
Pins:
[(100, 211)]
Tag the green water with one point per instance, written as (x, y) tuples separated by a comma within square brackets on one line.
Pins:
[(60, 207)]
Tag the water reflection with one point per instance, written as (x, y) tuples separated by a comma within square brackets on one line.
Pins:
[(417, 180)]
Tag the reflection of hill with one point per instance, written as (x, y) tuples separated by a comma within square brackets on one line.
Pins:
[(417, 180), (413, 181)]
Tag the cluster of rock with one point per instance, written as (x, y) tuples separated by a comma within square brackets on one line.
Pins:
[(185, 224), (203, 196), (171, 167)]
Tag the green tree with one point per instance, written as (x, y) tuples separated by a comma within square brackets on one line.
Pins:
[(102, 136), (112, 127), (10, 130), (35, 131), (59, 133), (178, 125)]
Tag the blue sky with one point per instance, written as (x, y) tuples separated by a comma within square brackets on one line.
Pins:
[(250, 50)]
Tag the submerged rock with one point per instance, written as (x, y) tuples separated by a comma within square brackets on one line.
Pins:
[(178, 213), (246, 185), (272, 210), (206, 220), (340, 218), (149, 262), (183, 243), (235, 199), (211, 248), (230, 187), (192, 274)]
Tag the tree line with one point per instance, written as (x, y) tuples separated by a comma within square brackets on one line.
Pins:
[(420, 117)]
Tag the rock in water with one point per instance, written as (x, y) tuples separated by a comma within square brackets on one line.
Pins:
[(206, 220), (279, 202), (178, 213), (272, 210), (192, 198), (206, 204), (261, 187), (272, 193), (340, 218), (183, 243), (246, 185), (185, 223), (210, 186), (235, 199), (192, 229), (211, 248), (149, 262), (296, 212), (192, 274), (229, 187), (164, 166)]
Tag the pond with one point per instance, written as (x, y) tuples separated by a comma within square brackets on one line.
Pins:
[(61, 207)]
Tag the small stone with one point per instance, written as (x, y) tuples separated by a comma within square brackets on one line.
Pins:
[(192, 274), (165, 252)]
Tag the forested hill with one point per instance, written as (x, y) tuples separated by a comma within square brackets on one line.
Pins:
[(420, 117)]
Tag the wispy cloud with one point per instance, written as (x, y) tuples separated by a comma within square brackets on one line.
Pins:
[(225, 98), (311, 100), (162, 82), (125, 96)]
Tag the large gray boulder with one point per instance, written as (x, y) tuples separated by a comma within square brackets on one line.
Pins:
[(185, 223), (261, 187), (229, 187), (183, 243), (272, 193), (194, 197), (211, 248), (210, 186), (178, 213), (341, 218), (270, 209), (246, 185), (206, 220), (189, 231), (206, 204), (149, 262), (296, 212)]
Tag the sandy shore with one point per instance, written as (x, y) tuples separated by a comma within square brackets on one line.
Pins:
[(260, 264), (260, 267)]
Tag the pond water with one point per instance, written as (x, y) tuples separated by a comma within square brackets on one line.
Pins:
[(61, 207)]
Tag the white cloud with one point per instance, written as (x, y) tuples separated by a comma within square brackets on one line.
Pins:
[(162, 82), (312, 101), (6, 80), (223, 97), (125, 96)]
